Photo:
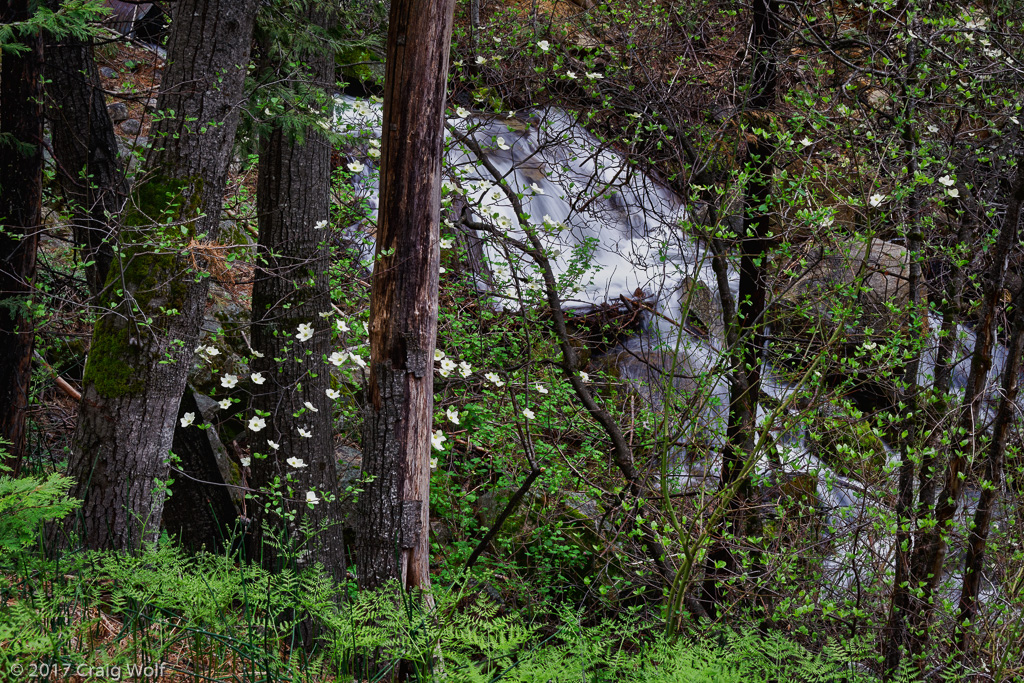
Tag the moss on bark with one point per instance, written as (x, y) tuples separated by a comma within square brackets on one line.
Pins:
[(148, 286)]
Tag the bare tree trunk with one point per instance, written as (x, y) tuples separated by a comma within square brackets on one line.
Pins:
[(746, 336), (201, 513), (142, 348), (85, 151), (897, 637), (293, 197), (394, 510), (930, 549), (991, 481), (21, 168)]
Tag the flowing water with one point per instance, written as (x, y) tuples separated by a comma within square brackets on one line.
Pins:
[(616, 230)]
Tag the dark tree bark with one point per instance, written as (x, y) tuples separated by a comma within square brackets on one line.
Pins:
[(84, 151), (991, 481), (143, 346), (200, 512), (930, 548), (293, 197), (394, 508), (21, 167), (745, 336), (897, 637)]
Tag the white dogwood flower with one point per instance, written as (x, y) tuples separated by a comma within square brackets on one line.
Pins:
[(453, 415), (437, 440), (257, 423), (494, 379), (305, 434), (333, 394), (544, 45), (355, 166), (297, 463), (528, 414), (337, 358), (320, 225), (311, 408), (541, 389), (257, 378), (273, 444), (244, 461), (225, 404), (501, 144), (311, 498), (187, 419), (228, 380), (305, 332), (877, 199), (465, 369)]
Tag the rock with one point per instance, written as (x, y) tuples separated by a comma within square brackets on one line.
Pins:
[(118, 111), (131, 127), (107, 72), (151, 104), (853, 290)]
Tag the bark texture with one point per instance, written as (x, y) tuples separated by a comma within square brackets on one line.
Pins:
[(403, 300), (292, 288), (21, 167), (84, 150), (142, 347), (745, 336), (930, 548), (991, 482), (200, 513)]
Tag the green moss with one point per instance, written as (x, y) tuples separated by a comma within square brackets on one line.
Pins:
[(156, 230)]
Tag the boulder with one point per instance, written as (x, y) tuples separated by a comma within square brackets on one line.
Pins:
[(855, 291)]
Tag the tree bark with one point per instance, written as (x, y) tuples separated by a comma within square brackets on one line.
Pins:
[(21, 168), (293, 196), (991, 482), (930, 549), (394, 509), (746, 329), (201, 512), (143, 346), (84, 151)]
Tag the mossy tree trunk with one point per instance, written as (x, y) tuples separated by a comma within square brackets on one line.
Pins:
[(21, 166), (143, 345), (394, 509), (91, 180), (291, 288)]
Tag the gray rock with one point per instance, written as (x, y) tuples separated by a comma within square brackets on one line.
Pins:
[(107, 72), (151, 104), (118, 111), (131, 127)]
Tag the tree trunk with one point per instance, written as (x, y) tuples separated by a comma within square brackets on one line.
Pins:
[(930, 549), (991, 481), (201, 512), (394, 508), (293, 196), (21, 168), (84, 151), (142, 348), (746, 329)]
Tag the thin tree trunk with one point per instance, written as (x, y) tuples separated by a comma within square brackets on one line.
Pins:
[(897, 637), (991, 482), (142, 348), (293, 197), (85, 151), (394, 510), (930, 550), (21, 167), (746, 337)]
